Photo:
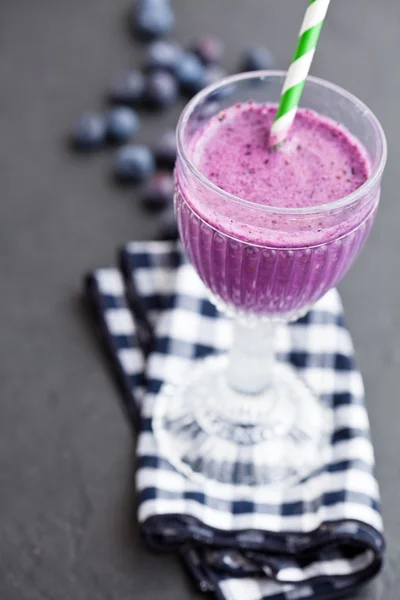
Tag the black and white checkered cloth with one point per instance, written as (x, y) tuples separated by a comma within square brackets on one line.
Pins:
[(321, 538)]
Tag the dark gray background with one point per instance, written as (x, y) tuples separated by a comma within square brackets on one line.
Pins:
[(67, 526)]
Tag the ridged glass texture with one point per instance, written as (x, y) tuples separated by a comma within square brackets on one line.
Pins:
[(262, 280)]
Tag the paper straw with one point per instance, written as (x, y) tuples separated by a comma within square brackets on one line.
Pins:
[(298, 71)]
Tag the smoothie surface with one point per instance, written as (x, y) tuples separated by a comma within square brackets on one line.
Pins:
[(320, 162)]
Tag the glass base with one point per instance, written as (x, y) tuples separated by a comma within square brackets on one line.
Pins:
[(212, 433)]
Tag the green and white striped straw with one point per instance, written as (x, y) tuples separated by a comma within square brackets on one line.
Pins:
[(298, 71)]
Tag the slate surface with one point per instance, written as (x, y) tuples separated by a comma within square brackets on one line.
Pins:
[(67, 525)]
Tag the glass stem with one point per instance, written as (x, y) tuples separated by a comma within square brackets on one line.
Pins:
[(251, 359)]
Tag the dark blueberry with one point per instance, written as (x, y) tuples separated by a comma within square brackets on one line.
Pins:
[(153, 19), (134, 163), (160, 191), (89, 132), (161, 89), (164, 55), (122, 124), (257, 58), (208, 109), (128, 88), (140, 5), (209, 49), (168, 226), (212, 74), (165, 149), (190, 73)]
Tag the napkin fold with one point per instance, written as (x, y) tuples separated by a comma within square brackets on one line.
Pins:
[(318, 539)]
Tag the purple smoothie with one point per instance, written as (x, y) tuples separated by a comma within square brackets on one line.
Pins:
[(257, 255)]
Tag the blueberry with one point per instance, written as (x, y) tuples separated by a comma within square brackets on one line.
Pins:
[(163, 55), (212, 74), (161, 89), (208, 109), (153, 18), (141, 5), (165, 149), (190, 73), (168, 226), (257, 58), (128, 88), (89, 131), (160, 191), (134, 163), (122, 124), (209, 49)]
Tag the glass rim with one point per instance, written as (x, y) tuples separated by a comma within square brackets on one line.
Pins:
[(343, 202)]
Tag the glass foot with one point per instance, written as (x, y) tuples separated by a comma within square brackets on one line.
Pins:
[(210, 432)]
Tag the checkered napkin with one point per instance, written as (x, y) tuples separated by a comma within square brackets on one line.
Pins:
[(320, 538)]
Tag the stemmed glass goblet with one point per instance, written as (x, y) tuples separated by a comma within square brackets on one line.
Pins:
[(246, 418)]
